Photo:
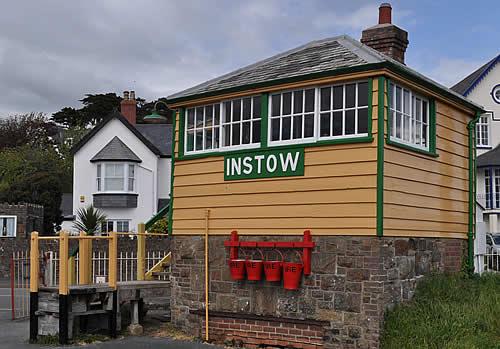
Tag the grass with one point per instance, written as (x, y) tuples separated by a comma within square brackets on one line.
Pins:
[(447, 312)]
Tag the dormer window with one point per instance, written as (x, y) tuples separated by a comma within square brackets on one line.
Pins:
[(115, 177)]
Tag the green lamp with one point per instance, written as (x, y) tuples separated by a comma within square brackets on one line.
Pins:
[(154, 115)]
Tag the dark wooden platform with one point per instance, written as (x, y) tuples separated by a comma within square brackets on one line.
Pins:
[(95, 288)]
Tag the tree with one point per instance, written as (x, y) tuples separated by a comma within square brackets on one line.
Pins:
[(32, 129), (89, 220), (33, 174)]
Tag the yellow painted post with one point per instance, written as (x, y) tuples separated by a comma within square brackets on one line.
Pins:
[(141, 251), (113, 260), (34, 263), (84, 262), (63, 263)]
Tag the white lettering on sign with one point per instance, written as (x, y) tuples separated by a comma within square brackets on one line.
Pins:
[(268, 163)]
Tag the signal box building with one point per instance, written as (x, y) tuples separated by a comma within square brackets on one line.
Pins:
[(338, 137)]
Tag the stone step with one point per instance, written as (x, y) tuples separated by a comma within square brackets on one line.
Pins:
[(160, 315), (158, 303)]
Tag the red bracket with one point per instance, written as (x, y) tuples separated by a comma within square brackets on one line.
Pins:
[(306, 244)]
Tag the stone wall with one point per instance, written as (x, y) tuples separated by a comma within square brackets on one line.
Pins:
[(29, 217), (353, 281), (125, 244)]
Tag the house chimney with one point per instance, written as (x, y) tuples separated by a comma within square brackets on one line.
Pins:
[(128, 107), (385, 36)]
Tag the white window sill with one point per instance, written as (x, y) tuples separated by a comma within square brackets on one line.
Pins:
[(115, 192)]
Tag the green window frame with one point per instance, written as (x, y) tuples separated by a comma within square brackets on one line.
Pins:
[(411, 120), (264, 128)]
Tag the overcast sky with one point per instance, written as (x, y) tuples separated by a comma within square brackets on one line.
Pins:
[(54, 52)]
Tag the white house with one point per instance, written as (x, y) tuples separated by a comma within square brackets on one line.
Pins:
[(123, 168), (483, 87)]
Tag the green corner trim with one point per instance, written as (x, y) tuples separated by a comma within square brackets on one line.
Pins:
[(159, 215), (472, 191), (172, 168), (380, 157), (432, 129)]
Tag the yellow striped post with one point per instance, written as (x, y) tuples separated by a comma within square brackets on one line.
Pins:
[(34, 262), (63, 262), (113, 260), (141, 251)]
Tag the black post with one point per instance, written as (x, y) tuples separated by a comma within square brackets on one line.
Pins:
[(33, 316), (112, 318), (63, 319)]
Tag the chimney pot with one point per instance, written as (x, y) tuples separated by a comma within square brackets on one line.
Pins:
[(385, 13), (132, 95), (125, 95), (128, 107)]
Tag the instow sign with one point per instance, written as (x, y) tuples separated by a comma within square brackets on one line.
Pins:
[(264, 164)]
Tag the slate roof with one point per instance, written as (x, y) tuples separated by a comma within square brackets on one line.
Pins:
[(115, 150), (318, 58), (465, 86), (490, 158), (157, 137)]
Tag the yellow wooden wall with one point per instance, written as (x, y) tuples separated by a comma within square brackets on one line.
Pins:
[(336, 195), (426, 196)]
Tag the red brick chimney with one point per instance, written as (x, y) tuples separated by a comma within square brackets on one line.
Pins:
[(128, 106), (385, 36)]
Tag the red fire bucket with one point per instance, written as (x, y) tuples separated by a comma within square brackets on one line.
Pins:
[(237, 269), (272, 268), (254, 268), (292, 274)]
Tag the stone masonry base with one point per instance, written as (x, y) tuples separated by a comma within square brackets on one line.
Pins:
[(340, 305)]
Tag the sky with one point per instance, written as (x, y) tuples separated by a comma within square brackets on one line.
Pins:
[(54, 52)]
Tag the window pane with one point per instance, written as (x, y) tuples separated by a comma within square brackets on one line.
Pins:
[(216, 114), (338, 97), (398, 125), (208, 116), (190, 140), (199, 117), (114, 184), (362, 120), (406, 102), (199, 140), (324, 125), (208, 138), (246, 132), (190, 118), (309, 100), (309, 125), (337, 123), (298, 99), (362, 94), (130, 184), (424, 111), (247, 103), (256, 107), (275, 129), (236, 110), (98, 170), (286, 128), (287, 103), (391, 95), (216, 138), (256, 131), (325, 98), (275, 105), (236, 134), (350, 122), (227, 112), (297, 126), (350, 95), (398, 98), (406, 128), (227, 135), (424, 135), (131, 171)]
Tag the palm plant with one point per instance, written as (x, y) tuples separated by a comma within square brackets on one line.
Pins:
[(89, 219)]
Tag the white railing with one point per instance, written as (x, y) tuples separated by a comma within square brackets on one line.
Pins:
[(487, 262), (127, 266)]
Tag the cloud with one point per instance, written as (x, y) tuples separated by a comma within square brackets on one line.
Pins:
[(449, 71)]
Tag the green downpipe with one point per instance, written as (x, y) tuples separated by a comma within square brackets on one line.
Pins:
[(472, 190)]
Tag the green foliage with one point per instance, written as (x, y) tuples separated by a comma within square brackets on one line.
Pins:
[(89, 220), (30, 174), (29, 129), (159, 227), (448, 311)]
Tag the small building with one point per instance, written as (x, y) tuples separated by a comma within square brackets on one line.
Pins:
[(123, 168), (338, 137)]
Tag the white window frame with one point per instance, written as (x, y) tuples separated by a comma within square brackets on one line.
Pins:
[(15, 226), (114, 222), (492, 182), (411, 115), (101, 180), (220, 127), (482, 128)]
